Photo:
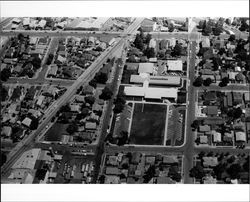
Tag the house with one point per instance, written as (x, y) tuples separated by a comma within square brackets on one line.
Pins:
[(216, 136), (170, 159), (53, 70), (247, 97), (240, 136), (152, 43), (165, 180), (228, 137), (136, 156), (27, 121), (112, 171), (88, 90), (203, 139), (6, 131), (33, 40), (212, 110), (205, 128), (229, 99), (224, 75), (237, 69), (231, 75), (80, 98), (148, 25), (210, 96), (163, 44), (90, 126), (35, 113), (152, 60), (205, 42), (174, 65), (113, 160), (18, 68), (40, 100), (3, 66), (237, 97), (75, 108), (210, 161), (150, 159), (61, 59)]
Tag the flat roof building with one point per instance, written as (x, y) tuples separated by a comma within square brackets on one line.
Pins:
[(151, 93), (157, 80), (146, 68), (174, 65)]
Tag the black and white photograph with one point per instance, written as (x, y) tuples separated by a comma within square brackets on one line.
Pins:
[(133, 99)]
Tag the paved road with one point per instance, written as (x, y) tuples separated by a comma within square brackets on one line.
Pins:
[(59, 33), (189, 146), (82, 80)]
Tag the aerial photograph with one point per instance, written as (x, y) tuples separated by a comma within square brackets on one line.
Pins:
[(125, 100)]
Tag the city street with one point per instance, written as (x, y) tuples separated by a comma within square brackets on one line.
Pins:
[(83, 79)]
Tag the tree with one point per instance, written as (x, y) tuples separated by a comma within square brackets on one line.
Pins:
[(4, 93), (148, 38), (34, 123), (237, 113), (217, 31), (118, 108), (218, 170), (149, 174), (149, 52), (72, 128), (90, 100), (36, 62), (139, 42), (85, 112), (20, 37), (93, 83), (202, 24), (123, 138), (101, 77), (197, 172), (5, 74), (198, 82), (231, 37), (224, 82), (3, 158), (228, 21), (244, 26), (234, 171), (50, 58), (177, 50), (102, 179), (106, 94), (195, 124), (207, 30), (207, 82), (170, 27)]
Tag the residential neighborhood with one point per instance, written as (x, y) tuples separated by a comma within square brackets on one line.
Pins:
[(125, 100)]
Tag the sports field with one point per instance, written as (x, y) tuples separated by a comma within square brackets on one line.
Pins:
[(148, 124)]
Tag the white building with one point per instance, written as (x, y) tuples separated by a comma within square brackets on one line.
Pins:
[(175, 65), (146, 68), (240, 136)]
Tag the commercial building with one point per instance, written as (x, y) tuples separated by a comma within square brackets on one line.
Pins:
[(151, 93), (174, 65), (27, 160), (157, 80), (148, 25), (146, 68)]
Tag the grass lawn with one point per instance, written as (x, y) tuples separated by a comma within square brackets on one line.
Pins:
[(55, 132), (148, 124)]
